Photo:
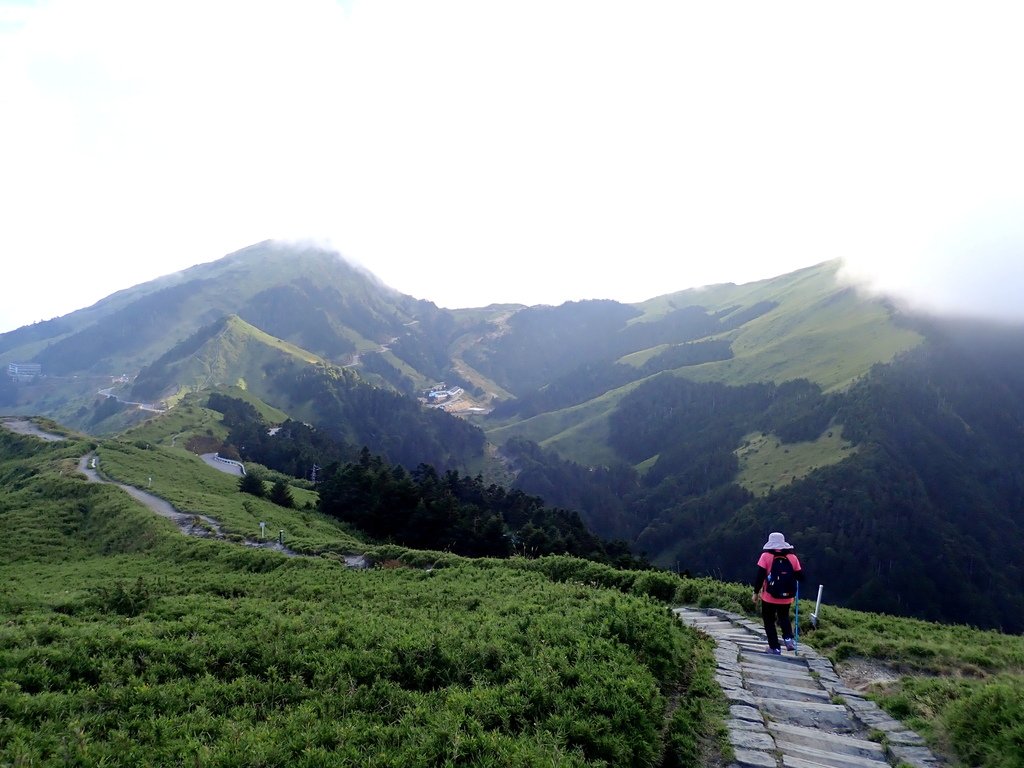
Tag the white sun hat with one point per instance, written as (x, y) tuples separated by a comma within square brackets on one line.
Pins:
[(777, 541)]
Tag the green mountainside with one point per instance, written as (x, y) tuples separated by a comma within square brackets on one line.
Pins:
[(802, 325), (228, 352), (301, 294)]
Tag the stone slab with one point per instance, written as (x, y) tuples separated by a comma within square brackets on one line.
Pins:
[(744, 738), (783, 677), (781, 691), (817, 738), (745, 725), (708, 621), (833, 717), (839, 689), (769, 671), (795, 756), (776, 672), (726, 680), (749, 758), (782, 659), (917, 757), (739, 696), (744, 712), (905, 738), (790, 761)]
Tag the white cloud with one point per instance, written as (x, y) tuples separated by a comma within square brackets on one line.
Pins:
[(541, 152)]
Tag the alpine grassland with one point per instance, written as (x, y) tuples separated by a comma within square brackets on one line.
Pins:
[(125, 643), (765, 462), (821, 329)]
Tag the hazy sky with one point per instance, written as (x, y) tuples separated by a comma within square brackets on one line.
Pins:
[(534, 152)]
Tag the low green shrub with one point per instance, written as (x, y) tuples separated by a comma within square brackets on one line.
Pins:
[(660, 585), (123, 598), (986, 724)]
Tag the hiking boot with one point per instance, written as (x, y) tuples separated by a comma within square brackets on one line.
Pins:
[(774, 651), (790, 645)]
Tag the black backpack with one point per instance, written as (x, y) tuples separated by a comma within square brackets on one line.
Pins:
[(781, 581)]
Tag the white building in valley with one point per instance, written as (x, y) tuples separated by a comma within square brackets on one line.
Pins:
[(24, 371)]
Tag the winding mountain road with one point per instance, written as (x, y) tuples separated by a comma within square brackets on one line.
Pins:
[(152, 407), (191, 524)]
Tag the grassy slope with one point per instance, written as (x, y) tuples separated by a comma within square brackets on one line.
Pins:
[(961, 688), (495, 314), (235, 357), (418, 379), (766, 464), (579, 432), (190, 485), (125, 642), (820, 331)]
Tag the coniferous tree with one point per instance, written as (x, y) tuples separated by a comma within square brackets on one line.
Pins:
[(281, 494), (249, 483)]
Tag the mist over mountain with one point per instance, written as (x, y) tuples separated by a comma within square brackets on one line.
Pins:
[(888, 445)]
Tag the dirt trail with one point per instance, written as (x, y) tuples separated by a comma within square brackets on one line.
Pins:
[(189, 523), (193, 524), (26, 427)]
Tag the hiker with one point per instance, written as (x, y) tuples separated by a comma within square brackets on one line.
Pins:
[(778, 571)]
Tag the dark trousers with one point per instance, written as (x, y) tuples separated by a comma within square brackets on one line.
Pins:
[(771, 613)]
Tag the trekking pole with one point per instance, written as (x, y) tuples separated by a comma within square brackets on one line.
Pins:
[(796, 632)]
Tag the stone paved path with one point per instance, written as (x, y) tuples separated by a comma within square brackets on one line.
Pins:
[(793, 711)]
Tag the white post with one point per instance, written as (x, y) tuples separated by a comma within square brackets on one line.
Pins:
[(263, 530), (817, 607)]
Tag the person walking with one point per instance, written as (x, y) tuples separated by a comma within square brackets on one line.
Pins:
[(778, 571)]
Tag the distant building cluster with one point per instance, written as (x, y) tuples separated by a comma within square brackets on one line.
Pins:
[(440, 393), (24, 371)]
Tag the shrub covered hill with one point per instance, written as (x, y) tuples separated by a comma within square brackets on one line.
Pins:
[(886, 445), (125, 643)]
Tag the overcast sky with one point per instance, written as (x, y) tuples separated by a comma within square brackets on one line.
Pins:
[(534, 152)]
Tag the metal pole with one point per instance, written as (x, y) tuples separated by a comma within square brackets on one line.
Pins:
[(817, 607)]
